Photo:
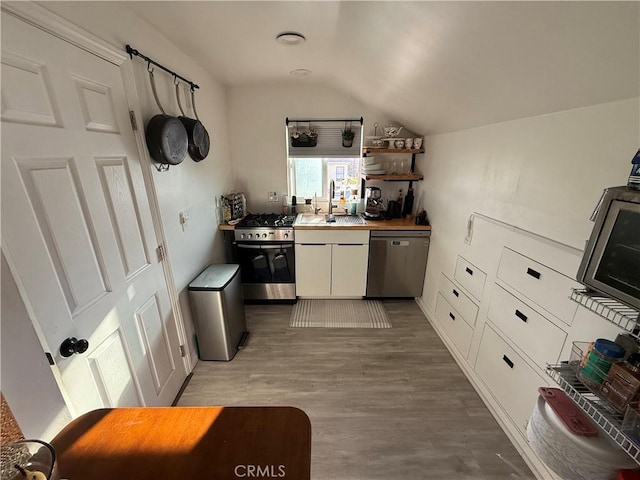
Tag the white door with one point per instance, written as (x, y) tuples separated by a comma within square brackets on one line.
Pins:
[(76, 224)]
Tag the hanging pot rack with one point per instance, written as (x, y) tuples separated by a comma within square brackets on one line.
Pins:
[(289, 120), (133, 52)]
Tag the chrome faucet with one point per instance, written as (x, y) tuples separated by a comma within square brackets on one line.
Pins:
[(332, 189)]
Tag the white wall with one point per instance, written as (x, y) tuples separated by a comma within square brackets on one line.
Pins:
[(190, 187), (544, 174), (257, 131)]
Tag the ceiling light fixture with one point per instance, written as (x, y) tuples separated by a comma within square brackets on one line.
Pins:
[(300, 72), (290, 38)]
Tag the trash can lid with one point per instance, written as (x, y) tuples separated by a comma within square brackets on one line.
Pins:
[(215, 277)]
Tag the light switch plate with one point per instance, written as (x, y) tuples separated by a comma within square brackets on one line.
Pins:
[(184, 220), (273, 196)]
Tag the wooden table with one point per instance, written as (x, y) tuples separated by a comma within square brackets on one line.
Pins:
[(186, 443)]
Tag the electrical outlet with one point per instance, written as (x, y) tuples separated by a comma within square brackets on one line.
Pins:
[(273, 196)]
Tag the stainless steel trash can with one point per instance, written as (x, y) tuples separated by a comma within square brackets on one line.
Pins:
[(218, 312)]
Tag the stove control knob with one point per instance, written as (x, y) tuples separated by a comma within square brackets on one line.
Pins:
[(242, 235), (249, 235), (286, 235), (264, 235)]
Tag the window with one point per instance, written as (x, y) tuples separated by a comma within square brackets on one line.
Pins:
[(310, 177), (310, 169)]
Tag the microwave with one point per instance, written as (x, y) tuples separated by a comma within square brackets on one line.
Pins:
[(611, 261)]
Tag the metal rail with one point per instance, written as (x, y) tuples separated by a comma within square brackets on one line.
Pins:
[(609, 309), (133, 52), (359, 120)]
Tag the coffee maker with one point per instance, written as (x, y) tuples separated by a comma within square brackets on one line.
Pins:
[(373, 203)]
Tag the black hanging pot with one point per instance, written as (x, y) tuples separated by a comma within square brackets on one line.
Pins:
[(166, 136), (198, 135)]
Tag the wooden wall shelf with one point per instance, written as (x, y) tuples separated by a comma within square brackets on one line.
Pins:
[(368, 150), (409, 177)]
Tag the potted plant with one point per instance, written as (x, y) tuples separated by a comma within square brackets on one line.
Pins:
[(347, 137), (304, 137)]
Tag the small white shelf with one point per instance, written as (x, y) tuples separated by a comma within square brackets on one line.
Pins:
[(609, 309)]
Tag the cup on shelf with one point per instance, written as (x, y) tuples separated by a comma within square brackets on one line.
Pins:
[(408, 143), (417, 142), (399, 143)]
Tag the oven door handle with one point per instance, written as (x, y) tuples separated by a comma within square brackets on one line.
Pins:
[(265, 247)]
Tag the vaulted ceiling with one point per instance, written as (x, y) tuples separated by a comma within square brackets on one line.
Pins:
[(434, 66)]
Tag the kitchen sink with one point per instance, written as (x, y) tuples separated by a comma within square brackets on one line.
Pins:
[(310, 219)]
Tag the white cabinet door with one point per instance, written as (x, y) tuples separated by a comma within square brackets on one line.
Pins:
[(349, 270), (313, 270)]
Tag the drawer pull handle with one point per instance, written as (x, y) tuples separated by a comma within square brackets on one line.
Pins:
[(453, 317), (521, 315), (469, 271), (533, 273), (455, 292), (507, 361)]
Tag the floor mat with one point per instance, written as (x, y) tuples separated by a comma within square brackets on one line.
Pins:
[(339, 314)]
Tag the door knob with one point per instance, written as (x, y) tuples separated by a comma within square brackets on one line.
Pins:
[(72, 345)]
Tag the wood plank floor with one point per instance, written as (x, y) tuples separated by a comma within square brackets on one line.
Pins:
[(384, 403)]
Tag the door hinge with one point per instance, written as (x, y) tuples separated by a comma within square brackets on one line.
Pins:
[(49, 358), (161, 253), (183, 351), (132, 117)]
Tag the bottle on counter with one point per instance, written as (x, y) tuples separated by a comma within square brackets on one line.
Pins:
[(285, 205), (407, 208), (399, 203), (294, 205)]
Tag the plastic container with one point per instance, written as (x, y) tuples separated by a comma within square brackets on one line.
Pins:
[(622, 384), (629, 342), (599, 360)]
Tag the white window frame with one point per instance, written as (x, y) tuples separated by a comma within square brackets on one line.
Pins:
[(323, 197)]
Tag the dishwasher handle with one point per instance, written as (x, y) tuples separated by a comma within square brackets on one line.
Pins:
[(413, 234), (399, 243)]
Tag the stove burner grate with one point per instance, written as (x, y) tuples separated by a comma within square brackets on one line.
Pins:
[(267, 220)]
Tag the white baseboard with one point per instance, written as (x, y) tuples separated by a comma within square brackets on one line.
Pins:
[(538, 468)]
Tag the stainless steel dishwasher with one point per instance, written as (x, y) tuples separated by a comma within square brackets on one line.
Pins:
[(397, 263)]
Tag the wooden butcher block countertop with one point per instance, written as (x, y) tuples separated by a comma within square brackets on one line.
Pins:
[(392, 224)]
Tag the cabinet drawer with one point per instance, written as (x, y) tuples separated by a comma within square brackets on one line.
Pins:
[(470, 277), (511, 380), (539, 283), (538, 338), (332, 236), (459, 300), (456, 328)]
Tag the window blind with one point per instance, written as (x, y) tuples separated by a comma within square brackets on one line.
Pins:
[(329, 141)]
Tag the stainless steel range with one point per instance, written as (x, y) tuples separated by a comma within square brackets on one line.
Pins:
[(263, 246)]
